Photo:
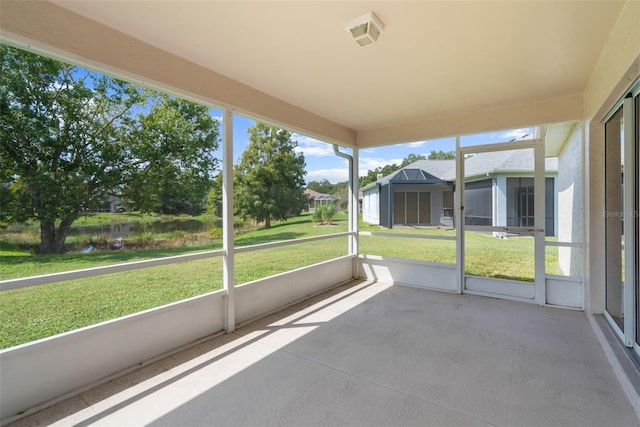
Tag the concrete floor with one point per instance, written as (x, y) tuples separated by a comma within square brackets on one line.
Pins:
[(374, 354)]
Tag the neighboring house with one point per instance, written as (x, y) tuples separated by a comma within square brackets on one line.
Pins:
[(498, 191), (315, 199), (116, 204)]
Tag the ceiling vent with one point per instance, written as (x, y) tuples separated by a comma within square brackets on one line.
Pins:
[(365, 29)]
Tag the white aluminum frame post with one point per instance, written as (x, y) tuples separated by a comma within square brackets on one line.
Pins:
[(228, 276), (354, 210), (459, 217), (630, 255)]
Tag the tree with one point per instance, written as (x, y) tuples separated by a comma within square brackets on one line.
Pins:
[(411, 158), (372, 175), (442, 155), (324, 186), (214, 198), (174, 144), (341, 191), (269, 180), (71, 138)]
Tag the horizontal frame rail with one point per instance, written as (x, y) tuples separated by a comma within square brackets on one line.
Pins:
[(502, 229), (564, 244), (24, 282), (413, 236), (250, 248), (500, 146), (6, 285)]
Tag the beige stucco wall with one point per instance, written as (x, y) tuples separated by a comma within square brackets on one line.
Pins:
[(617, 68), (569, 186), (613, 67)]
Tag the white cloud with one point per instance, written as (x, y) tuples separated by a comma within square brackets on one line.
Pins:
[(332, 175), (369, 163), (416, 144), (311, 147), (515, 133)]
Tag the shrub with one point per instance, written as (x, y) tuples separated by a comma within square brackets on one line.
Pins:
[(215, 232), (144, 240), (324, 213)]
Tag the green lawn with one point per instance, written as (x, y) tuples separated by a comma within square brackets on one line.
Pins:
[(40, 311)]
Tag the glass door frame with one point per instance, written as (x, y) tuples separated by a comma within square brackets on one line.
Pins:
[(631, 195), (538, 230)]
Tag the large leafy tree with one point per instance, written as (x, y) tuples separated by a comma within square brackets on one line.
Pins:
[(173, 146), (324, 186), (269, 180), (441, 155), (71, 138)]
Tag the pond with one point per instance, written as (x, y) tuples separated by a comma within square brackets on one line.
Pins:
[(116, 230)]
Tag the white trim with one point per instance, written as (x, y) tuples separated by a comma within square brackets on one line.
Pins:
[(409, 235), (228, 272), (62, 276), (502, 287), (539, 215), (501, 146), (518, 230), (354, 208), (260, 246), (614, 326), (458, 203), (563, 244), (630, 255)]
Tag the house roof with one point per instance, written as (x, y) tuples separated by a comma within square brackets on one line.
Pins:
[(442, 171), (504, 162), (315, 195), (438, 169), (439, 68)]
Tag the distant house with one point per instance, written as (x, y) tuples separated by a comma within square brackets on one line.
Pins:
[(315, 199), (498, 191)]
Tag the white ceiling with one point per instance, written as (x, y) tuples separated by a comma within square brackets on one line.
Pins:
[(434, 59)]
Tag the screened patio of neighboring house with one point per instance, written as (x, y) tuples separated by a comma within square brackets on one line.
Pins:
[(317, 199), (394, 327), (421, 193)]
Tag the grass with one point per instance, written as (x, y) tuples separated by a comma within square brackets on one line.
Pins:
[(41, 311), (485, 255), (36, 312)]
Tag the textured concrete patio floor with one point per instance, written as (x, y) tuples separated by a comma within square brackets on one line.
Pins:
[(374, 354)]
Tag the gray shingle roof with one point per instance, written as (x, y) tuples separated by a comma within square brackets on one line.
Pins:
[(504, 161), (440, 171), (421, 172)]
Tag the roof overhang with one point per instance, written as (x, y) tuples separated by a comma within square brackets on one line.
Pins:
[(440, 68)]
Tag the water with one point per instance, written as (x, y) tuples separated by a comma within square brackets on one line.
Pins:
[(127, 229)]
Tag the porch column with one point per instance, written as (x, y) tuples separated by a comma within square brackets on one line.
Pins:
[(458, 217), (354, 211), (539, 223), (227, 221)]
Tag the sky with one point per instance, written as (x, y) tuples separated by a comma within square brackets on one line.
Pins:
[(322, 163)]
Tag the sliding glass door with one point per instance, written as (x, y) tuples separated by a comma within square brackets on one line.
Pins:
[(622, 238)]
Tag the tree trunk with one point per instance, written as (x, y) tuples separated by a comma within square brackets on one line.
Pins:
[(267, 221), (52, 240)]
